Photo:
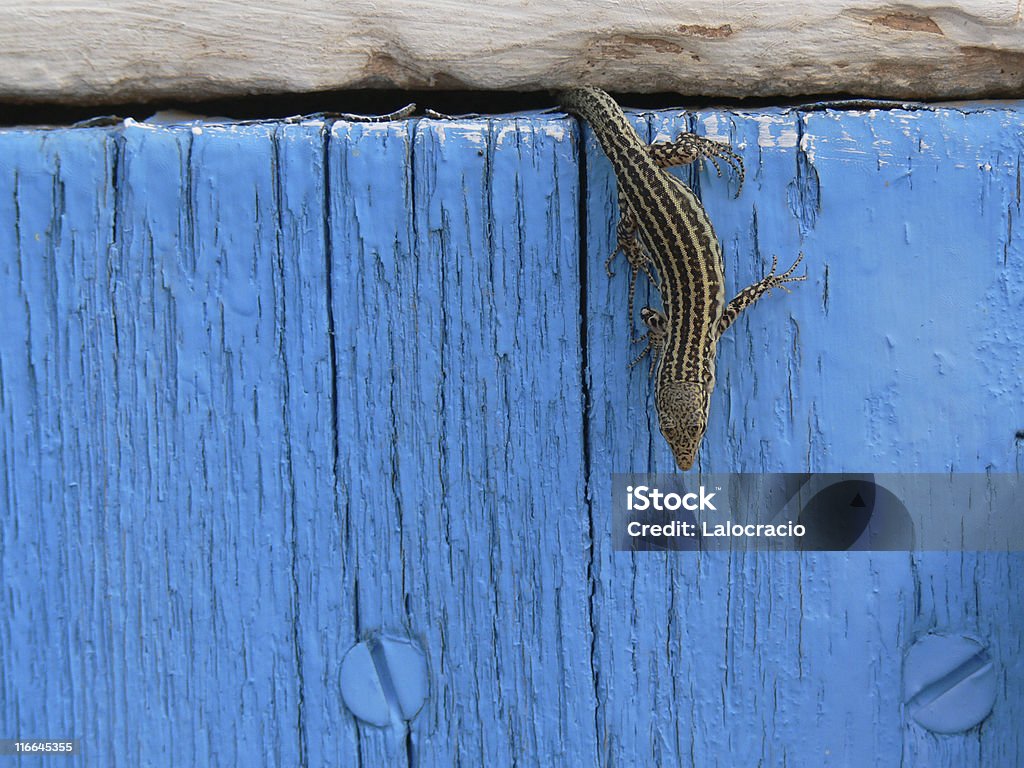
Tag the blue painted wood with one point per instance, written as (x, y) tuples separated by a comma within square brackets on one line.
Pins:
[(59, 585), (202, 468), (462, 265), (322, 625), (268, 390), (904, 345)]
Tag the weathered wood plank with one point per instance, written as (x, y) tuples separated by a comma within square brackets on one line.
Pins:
[(499, 271), (909, 226), (454, 253), (152, 447), (322, 616), (63, 637), (384, 308), (108, 52), (199, 412)]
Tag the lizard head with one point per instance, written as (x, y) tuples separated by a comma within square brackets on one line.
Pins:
[(683, 416)]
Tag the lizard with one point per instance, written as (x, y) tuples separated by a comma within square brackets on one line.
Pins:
[(687, 148), (678, 238)]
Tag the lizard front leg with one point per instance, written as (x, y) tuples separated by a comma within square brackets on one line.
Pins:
[(752, 293), (689, 147)]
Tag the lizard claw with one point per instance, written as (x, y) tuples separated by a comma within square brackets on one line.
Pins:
[(779, 281), (786, 275), (715, 151)]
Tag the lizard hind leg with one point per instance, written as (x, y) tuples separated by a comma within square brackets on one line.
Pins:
[(643, 353), (609, 260), (626, 237), (657, 328), (637, 268), (627, 234), (638, 262)]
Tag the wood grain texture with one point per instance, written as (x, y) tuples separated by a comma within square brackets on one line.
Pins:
[(268, 390), (143, 51)]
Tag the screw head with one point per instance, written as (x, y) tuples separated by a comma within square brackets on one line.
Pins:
[(949, 682), (384, 680)]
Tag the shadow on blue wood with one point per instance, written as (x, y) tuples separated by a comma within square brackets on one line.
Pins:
[(268, 390)]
